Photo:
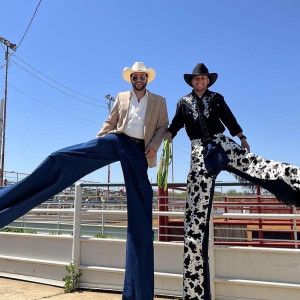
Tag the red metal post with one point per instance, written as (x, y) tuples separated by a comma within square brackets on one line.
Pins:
[(162, 220), (260, 233)]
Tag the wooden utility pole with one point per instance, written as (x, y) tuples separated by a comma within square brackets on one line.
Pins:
[(8, 45), (110, 99)]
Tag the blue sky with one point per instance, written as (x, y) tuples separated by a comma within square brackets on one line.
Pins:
[(253, 45)]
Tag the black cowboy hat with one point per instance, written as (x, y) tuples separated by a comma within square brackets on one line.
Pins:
[(200, 69)]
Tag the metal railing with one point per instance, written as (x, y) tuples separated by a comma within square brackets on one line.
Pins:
[(254, 229), (244, 220)]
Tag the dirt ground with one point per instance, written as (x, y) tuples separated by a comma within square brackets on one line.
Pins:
[(11, 289)]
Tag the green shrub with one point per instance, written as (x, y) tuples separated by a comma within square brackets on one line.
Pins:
[(18, 230), (55, 233), (100, 236), (71, 280)]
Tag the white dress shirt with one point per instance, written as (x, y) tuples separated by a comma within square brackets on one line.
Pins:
[(134, 125)]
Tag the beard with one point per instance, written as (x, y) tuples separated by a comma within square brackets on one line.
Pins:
[(140, 88)]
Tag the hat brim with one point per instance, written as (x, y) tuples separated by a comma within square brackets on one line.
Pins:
[(127, 72), (212, 78)]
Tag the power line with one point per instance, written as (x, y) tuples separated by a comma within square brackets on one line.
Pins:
[(97, 100), (56, 87), (181, 151), (178, 146), (29, 23), (4, 50), (50, 106)]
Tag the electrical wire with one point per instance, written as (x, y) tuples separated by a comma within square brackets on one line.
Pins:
[(56, 87), (183, 145), (183, 158), (176, 144), (184, 155), (29, 23), (97, 100), (50, 106), (4, 50)]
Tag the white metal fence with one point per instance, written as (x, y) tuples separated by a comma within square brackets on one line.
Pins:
[(238, 220), (67, 225)]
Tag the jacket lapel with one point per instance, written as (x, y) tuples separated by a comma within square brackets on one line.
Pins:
[(149, 110), (125, 108)]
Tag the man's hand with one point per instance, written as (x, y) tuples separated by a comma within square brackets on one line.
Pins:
[(245, 145), (243, 139), (168, 136), (150, 152)]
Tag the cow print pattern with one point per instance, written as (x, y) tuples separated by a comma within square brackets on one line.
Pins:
[(199, 196), (258, 167)]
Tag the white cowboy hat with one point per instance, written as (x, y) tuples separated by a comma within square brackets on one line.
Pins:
[(138, 67)]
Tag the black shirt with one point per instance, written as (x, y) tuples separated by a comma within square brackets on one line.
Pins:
[(214, 109)]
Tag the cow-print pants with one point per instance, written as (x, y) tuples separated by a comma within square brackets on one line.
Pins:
[(200, 190)]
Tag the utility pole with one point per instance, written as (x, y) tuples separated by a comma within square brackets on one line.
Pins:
[(110, 99), (8, 45), (172, 145)]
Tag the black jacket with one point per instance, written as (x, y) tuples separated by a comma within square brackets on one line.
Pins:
[(216, 114)]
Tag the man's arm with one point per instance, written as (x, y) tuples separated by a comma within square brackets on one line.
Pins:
[(161, 127), (112, 121), (231, 123), (176, 124)]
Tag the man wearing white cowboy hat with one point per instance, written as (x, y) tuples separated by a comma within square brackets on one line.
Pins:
[(132, 135), (204, 113), (136, 111)]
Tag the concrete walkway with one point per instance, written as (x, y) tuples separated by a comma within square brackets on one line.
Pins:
[(11, 289)]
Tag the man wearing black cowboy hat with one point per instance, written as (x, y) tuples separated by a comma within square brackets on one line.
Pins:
[(200, 80), (204, 113)]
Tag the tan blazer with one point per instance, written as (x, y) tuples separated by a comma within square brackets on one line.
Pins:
[(156, 120)]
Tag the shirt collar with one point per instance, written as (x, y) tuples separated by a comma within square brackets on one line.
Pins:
[(207, 91), (133, 93)]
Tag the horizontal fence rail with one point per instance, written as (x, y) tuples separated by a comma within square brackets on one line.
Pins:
[(249, 219), (88, 213)]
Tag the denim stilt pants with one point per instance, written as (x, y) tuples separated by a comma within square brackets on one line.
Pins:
[(64, 167)]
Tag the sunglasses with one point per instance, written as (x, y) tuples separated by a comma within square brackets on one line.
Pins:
[(135, 78)]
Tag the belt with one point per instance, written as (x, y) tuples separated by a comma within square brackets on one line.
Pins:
[(137, 141)]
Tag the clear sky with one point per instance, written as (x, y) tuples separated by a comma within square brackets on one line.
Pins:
[(82, 47)]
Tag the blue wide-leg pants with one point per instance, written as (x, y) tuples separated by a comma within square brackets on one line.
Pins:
[(64, 167)]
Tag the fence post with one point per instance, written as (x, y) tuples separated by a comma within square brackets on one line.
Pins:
[(103, 218), (260, 226), (295, 228), (226, 206), (162, 220), (23, 224), (77, 226), (212, 257), (58, 219)]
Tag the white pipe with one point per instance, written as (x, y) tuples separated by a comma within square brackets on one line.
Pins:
[(76, 227)]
